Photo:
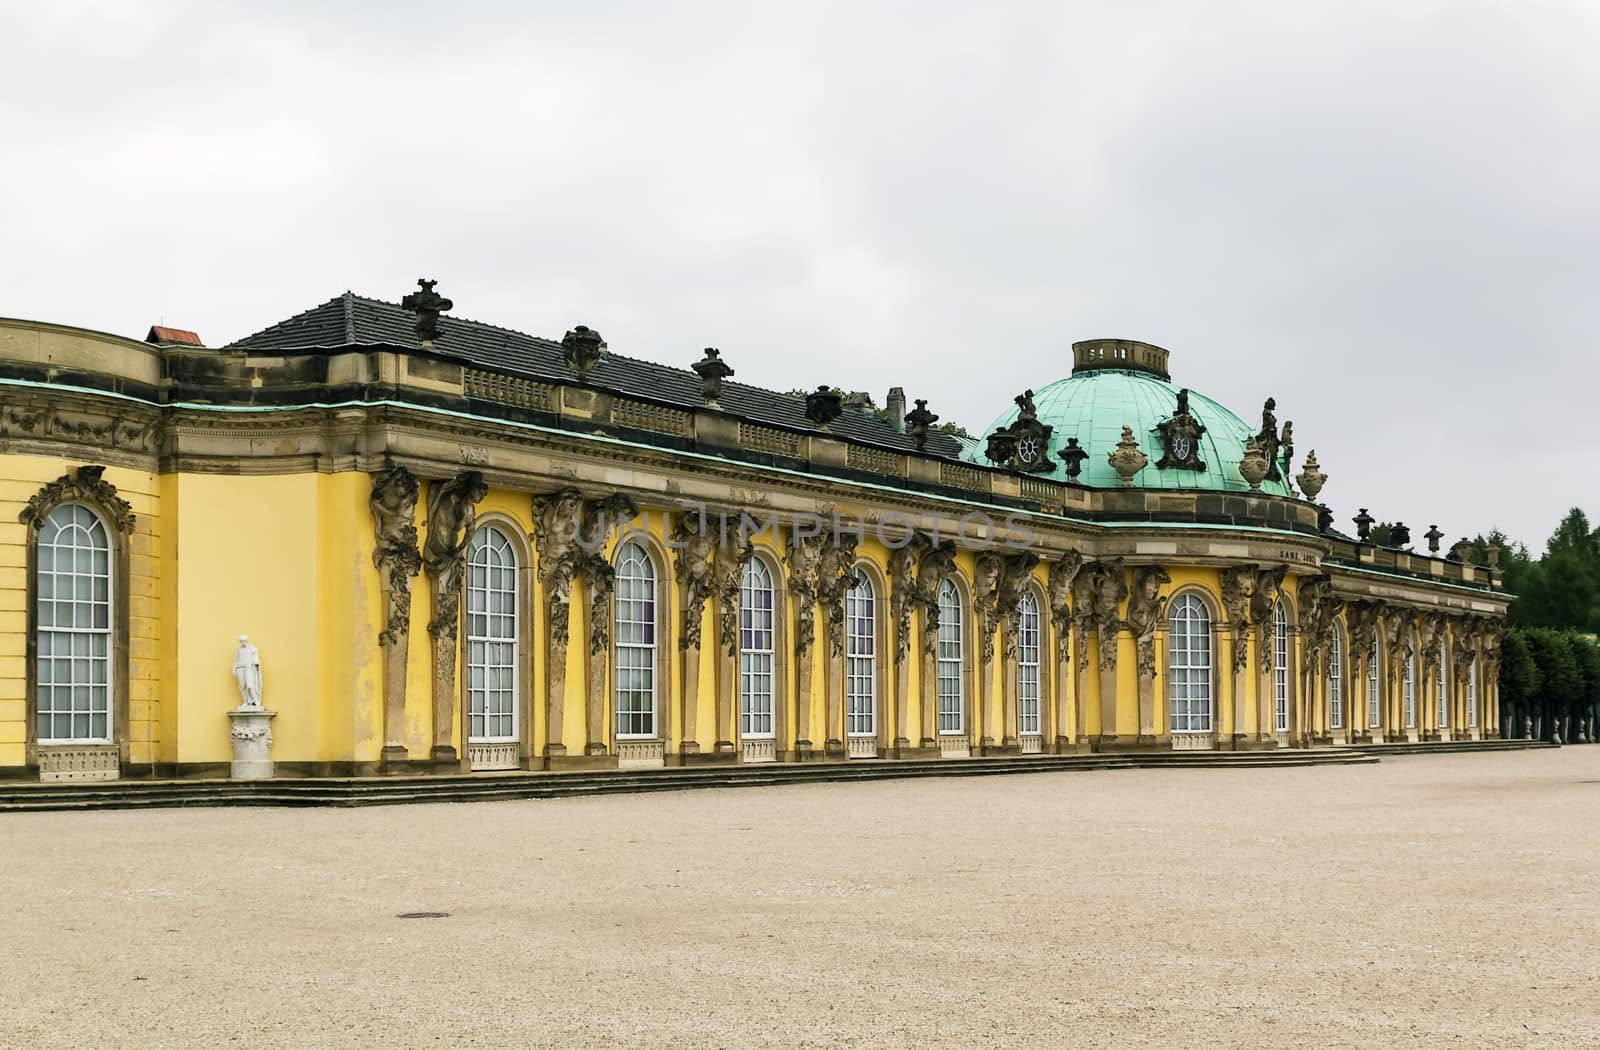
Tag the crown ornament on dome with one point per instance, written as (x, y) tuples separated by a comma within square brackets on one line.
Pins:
[(1126, 459)]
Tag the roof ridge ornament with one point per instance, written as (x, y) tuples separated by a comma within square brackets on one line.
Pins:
[(919, 419), (1311, 477), (1025, 444), (1180, 438), (582, 348), (427, 305), (712, 370), (1127, 460), (824, 405)]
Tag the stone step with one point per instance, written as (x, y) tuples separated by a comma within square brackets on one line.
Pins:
[(357, 791)]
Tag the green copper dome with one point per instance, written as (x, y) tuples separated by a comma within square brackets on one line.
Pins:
[(1105, 394)]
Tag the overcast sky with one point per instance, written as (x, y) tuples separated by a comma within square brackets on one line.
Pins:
[(1384, 214)]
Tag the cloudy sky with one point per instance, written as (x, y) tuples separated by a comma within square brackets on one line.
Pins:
[(1383, 213)]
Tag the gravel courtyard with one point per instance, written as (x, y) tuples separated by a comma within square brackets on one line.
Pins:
[(1441, 900)]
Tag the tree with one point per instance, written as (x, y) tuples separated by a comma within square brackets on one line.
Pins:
[(1520, 680), (953, 429), (1562, 679)]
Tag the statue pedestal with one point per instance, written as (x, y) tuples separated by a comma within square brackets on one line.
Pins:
[(252, 742)]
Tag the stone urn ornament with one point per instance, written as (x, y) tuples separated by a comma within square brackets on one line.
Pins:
[(712, 370), (1311, 477), (1253, 467), (1126, 459), (251, 731)]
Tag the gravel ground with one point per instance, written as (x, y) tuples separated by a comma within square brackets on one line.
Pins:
[(1443, 900)]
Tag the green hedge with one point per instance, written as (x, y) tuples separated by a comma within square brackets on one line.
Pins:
[(1551, 676)]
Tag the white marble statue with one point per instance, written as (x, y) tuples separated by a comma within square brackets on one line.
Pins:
[(247, 672)]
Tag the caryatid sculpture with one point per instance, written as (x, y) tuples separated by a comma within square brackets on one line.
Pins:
[(393, 504), (452, 513), (1145, 611), (1238, 591)]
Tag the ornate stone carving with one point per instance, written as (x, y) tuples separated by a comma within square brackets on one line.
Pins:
[(712, 370), (1180, 438), (1363, 523), (427, 304), (452, 513), (727, 572), (581, 349), (1126, 459), (824, 405), (987, 568), (1318, 608), (1286, 443), (1399, 536), (1268, 440), (1465, 648), (1111, 587), (1363, 617), (695, 538), (1145, 611), (1254, 466), (1311, 477), (600, 578), (902, 589), (919, 420), (1015, 571), (83, 485), (1085, 587), (1433, 536), (1396, 626), (1433, 628), (1263, 604), (1025, 444), (805, 567), (836, 574), (1073, 456), (1064, 573), (933, 569), (394, 506), (1238, 591)]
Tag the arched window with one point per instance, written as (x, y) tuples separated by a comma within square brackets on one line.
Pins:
[(861, 659), (1411, 690), (492, 634), (1444, 672), (1280, 667), (1472, 693), (755, 650), (73, 577), (1028, 720), (1336, 678), (1374, 714), (635, 613), (952, 661), (1189, 680)]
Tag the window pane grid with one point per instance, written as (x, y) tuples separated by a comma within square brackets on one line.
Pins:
[(952, 662), (1189, 666), (1280, 667), (73, 658), (861, 660), (491, 637), (1444, 706), (1374, 715), (755, 650), (1028, 718), (635, 632), (1472, 694), (1335, 681), (1411, 691)]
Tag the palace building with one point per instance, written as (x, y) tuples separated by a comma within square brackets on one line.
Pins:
[(456, 547)]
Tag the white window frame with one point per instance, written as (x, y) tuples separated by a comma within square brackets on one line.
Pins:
[(861, 658), (1411, 690), (1336, 678), (1444, 689), (1280, 666), (1030, 718), (1190, 666), (495, 632), (951, 663), (1472, 693), (757, 630), (1374, 706), (81, 650), (634, 632)]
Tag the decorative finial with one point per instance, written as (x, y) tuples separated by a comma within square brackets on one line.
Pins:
[(1399, 535), (1433, 536), (1127, 460), (581, 348), (1311, 477), (1073, 456), (1363, 525), (1254, 465), (823, 406), (712, 370), (1025, 409), (919, 420), (426, 304)]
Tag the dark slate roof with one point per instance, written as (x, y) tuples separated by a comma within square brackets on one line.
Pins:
[(353, 320)]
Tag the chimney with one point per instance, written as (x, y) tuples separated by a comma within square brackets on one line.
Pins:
[(894, 407)]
